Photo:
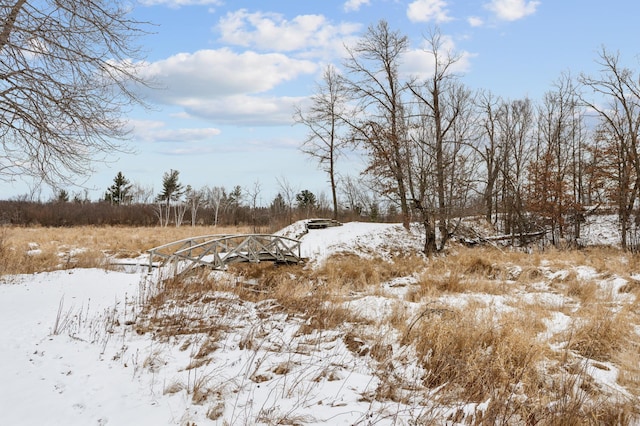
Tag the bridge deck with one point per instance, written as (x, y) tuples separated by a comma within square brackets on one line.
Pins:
[(218, 251)]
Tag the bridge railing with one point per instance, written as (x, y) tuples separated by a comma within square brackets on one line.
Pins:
[(218, 251)]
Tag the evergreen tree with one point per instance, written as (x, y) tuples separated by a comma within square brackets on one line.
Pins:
[(233, 201), (306, 198), (306, 201), (119, 192), (278, 206), (172, 191), (62, 196), (235, 197)]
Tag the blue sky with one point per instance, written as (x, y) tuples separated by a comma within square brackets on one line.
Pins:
[(231, 72)]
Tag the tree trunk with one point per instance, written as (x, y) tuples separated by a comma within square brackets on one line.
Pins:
[(430, 246), (334, 194)]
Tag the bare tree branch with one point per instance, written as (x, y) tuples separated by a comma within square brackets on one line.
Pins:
[(68, 74)]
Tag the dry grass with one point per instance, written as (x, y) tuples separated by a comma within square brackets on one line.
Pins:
[(36, 249), (585, 292), (474, 356), (598, 333), (464, 271), (348, 273), (478, 354), (627, 359), (310, 295)]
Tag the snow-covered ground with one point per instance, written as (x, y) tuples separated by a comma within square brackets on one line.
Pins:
[(69, 358), (71, 355), (50, 378)]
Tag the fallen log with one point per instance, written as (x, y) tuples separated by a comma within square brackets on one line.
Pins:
[(505, 237)]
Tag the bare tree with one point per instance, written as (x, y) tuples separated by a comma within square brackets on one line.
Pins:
[(254, 194), (288, 193), (68, 73), (555, 171), (620, 128), (444, 106), (141, 194), (516, 123), (354, 195), (487, 146), (323, 119), (214, 199), (361, 199), (380, 126), (179, 210), (194, 199)]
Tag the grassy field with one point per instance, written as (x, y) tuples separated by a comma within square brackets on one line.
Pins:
[(26, 250)]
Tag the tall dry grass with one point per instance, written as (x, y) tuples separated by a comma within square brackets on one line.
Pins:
[(476, 352), (599, 333), (27, 250), (348, 273)]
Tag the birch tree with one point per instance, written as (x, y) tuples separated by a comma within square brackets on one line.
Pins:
[(194, 199), (214, 199)]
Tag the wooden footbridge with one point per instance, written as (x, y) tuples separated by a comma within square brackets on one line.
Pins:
[(218, 251)]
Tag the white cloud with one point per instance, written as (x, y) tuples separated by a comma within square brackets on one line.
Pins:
[(512, 10), (179, 3), (272, 32), (354, 5), (184, 135), (221, 72), (420, 63), (245, 109), (428, 10), (156, 131), (225, 86), (475, 21)]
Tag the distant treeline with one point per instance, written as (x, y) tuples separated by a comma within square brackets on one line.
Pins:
[(103, 213), (28, 213)]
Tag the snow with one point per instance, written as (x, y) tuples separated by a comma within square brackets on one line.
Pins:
[(600, 230), (52, 379), (70, 357), (363, 238)]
